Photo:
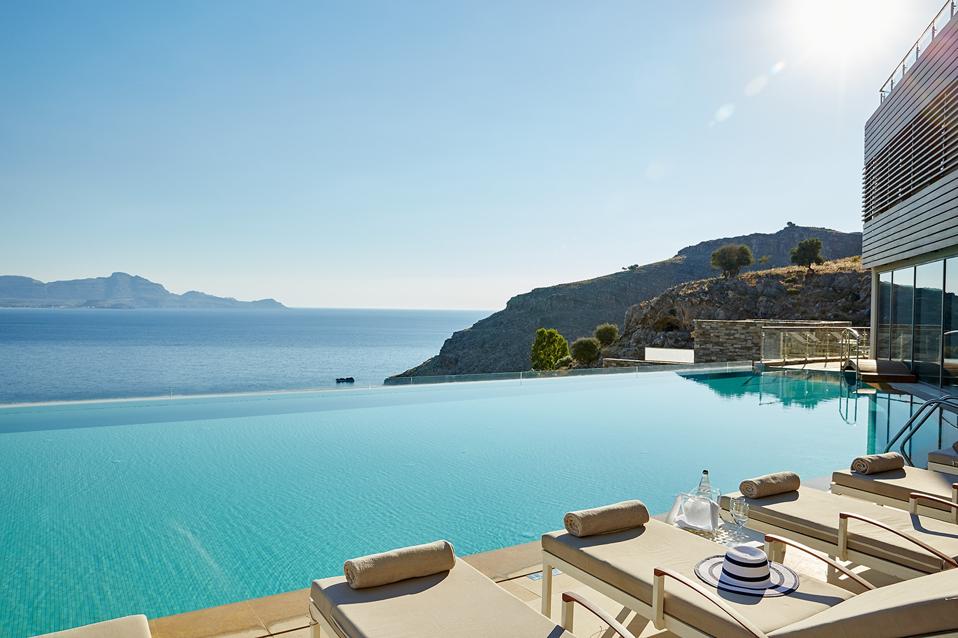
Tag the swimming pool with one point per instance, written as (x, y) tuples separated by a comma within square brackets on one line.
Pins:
[(161, 507)]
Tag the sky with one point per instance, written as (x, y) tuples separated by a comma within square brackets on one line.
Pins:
[(425, 154)]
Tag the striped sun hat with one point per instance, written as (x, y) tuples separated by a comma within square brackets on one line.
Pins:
[(746, 570)]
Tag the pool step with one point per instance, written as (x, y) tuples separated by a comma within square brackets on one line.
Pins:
[(881, 371)]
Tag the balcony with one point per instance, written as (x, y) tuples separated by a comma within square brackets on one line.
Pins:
[(944, 15)]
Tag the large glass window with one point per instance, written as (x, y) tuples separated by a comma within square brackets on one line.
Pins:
[(903, 298), (884, 315), (927, 339), (950, 322)]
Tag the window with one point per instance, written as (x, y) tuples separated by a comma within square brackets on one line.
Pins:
[(884, 315), (903, 297), (927, 335), (950, 322)]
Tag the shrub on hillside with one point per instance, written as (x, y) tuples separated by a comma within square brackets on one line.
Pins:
[(548, 348), (586, 350), (565, 362), (606, 333), (808, 253), (731, 258)]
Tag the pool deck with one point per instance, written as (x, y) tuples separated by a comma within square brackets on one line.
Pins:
[(286, 614), (517, 569)]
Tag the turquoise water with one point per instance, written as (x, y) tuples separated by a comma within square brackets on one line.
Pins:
[(53, 355), (161, 507)]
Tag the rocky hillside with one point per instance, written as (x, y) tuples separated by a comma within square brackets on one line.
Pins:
[(501, 341), (838, 291)]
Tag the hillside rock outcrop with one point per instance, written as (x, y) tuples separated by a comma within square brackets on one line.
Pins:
[(837, 291), (501, 341)]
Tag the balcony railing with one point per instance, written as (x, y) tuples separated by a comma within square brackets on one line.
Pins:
[(942, 18), (797, 344)]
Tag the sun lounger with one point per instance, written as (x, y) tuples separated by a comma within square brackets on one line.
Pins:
[(126, 627), (883, 538), (621, 565), (650, 570), (944, 460), (896, 487), (459, 602)]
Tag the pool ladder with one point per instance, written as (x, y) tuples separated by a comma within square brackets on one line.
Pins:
[(918, 419)]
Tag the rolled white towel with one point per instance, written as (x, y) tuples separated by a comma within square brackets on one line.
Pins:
[(608, 518), (399, 564), (770, 484), (876, 463)]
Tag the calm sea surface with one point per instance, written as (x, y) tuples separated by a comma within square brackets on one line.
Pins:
[(49, 355)]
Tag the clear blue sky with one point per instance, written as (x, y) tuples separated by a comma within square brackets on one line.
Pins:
[(425, 154)]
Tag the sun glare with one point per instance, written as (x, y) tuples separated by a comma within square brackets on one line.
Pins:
[(841, 31)]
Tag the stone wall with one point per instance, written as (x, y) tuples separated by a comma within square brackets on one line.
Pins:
[(719, 340)]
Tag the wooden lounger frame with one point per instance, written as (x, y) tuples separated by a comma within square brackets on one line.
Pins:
[(941, 467), (322, 627), (656, 611), (950, 516), (840, 550)]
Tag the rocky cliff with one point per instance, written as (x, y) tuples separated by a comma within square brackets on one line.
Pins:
[(501, 341), (837, 291)]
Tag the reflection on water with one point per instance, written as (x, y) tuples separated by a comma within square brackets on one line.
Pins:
[(883, 410)]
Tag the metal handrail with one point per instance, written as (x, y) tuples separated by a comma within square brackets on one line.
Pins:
[(858, 351), (918, 419), (915, 50)]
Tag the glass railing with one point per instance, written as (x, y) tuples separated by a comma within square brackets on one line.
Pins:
[(945, 14), (789, 344), (727, 366), (173, 393)]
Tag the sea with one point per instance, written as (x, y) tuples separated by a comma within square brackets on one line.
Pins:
[(85, 354)]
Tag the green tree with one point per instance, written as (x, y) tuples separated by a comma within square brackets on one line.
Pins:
[(586, 350), (565, 362), (549, 346), (731, 258), (807, 253), (606, 333)]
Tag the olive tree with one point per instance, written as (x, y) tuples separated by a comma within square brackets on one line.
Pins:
[(731, 258), (807, 253)]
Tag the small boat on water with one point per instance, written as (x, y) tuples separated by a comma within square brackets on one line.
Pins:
[(345, 380)]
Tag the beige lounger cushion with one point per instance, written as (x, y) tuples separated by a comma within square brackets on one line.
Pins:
[(944, 456), (898, 483), (126, 627), (626, 559), (814, 513), (461, 602), (916, 607)]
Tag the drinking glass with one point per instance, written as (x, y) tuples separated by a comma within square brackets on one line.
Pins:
[(738, 508)]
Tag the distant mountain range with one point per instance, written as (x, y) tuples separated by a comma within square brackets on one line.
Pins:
[(119, 290)]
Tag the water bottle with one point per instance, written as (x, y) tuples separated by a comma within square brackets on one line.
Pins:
[(705, 486), (708, 499)]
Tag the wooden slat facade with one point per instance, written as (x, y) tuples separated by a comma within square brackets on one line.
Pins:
[(909, 184)]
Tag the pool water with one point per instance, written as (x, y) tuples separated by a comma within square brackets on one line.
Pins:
[(161, 507)]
